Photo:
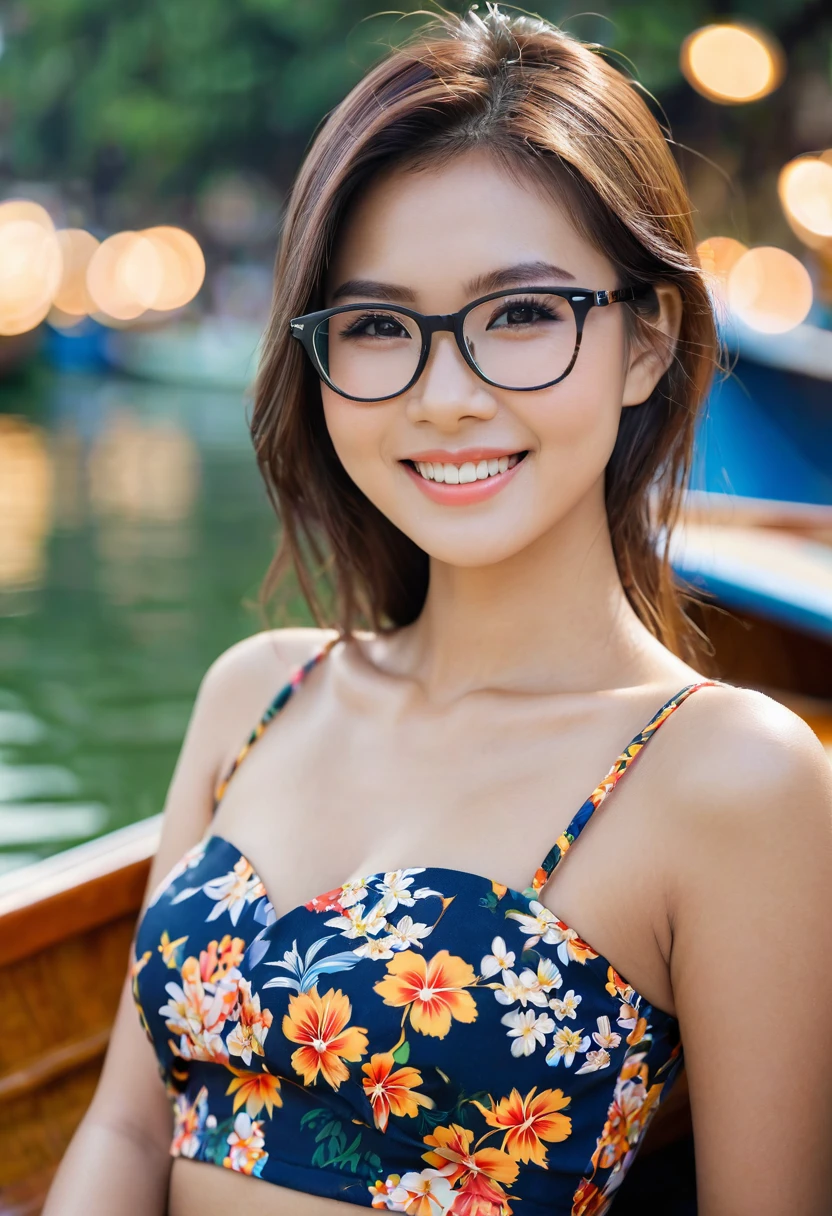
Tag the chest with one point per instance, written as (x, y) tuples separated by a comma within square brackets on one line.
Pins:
[(412, 1005), (329, 794)]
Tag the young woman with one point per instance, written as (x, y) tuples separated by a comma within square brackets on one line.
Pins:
[(415, 956)]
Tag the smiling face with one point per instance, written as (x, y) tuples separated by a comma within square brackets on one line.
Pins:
[(437, 239)]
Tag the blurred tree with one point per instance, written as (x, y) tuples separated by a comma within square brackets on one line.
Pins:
[(154, 98)]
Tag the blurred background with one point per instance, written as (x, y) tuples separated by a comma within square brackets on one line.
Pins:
[(145, 154)]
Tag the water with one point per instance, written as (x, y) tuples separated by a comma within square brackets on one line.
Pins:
[(134, 532)]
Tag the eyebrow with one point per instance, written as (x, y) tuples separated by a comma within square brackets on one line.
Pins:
[(523, 274)]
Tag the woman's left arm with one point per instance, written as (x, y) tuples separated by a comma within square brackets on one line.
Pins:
[(751, 961)]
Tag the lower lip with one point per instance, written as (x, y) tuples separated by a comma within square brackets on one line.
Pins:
[(470, 492)]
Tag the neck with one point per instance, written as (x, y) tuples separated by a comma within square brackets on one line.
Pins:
[(553, 617)]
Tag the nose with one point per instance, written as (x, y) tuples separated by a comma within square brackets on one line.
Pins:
[(448, 391)]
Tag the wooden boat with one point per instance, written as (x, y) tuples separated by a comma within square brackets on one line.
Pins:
[(66, 923)]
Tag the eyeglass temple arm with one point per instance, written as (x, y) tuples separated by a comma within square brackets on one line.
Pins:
[(621, 293)]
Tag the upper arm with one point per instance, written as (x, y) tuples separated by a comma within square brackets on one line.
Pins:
[(751, 961), (230, 699)]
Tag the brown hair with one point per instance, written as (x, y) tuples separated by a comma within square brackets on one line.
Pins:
[(538, 98)]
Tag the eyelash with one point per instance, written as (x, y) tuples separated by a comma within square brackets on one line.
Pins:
[(524, 302), (354, 326)]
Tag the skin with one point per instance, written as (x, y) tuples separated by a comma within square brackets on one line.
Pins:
[(487, 722)]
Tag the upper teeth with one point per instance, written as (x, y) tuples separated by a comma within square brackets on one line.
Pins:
[(458, 474)]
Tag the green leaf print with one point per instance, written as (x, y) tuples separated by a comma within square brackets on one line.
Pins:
[(402, 1054)]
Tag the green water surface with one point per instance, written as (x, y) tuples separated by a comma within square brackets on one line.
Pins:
[(134, 533)]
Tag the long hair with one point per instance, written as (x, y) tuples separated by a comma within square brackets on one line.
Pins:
[(553, 107)]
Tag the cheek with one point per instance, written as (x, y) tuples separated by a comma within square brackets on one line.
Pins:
[(576, 421), (358, 436)]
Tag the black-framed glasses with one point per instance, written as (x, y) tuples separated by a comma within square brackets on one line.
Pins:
[(519, 340)]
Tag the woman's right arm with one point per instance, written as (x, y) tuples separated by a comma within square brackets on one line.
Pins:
[(118, 1160)]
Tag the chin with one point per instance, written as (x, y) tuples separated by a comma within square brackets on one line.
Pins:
[(476, 548)]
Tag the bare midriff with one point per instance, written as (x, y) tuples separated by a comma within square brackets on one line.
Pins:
[(198, 1188)]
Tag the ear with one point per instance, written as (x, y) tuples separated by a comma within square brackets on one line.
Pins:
[(651, 355)]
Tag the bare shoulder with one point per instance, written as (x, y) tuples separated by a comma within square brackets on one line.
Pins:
[(242, 680), (748, 905), (271, 653), (744, 756)]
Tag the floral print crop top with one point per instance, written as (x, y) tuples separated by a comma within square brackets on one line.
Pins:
[(425, 1040)]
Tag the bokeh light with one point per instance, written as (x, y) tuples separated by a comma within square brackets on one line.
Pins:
[(183, 266), (159, 268), (143, 469), (125, 275), (769, 289), (77, 248), (718, 256), (30, 265), (26, 502), (731, 63), (805, 190)]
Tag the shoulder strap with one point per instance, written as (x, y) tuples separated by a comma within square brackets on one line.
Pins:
[(272, 710), (619, 768)]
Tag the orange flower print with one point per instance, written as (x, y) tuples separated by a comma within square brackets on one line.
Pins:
[(451, 1146), (588, 1200), (627, 1118), (480, 1197), (220, 957), (528, 1121), (319, 1024), (616, 986), (245, 1147), (382, 1189), (246, 1039), (434, 990), (631, 1020), (256, 1090), (339, 898), (391, 1092)]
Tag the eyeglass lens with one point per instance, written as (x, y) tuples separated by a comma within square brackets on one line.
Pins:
[(517, 341)]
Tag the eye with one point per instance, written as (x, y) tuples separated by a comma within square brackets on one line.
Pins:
[(513, 314), (374, 325)]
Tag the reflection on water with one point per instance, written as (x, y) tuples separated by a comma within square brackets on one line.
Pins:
[(134, 531)]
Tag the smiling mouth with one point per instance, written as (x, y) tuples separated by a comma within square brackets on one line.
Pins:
[(465, 474)]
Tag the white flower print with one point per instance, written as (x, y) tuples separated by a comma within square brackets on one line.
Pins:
[(245, 1144), (352, 892), (356, 924), (594, 1061), (527, 1030), (428, 1193), (377, 947), (197, 1011), (567, 1006), (500, 959), (408, 933), (394, 888), (604, 1036), (523, 988), (566, 1044), (539, 924), (252, 1027), (232, 891), (548, 975)]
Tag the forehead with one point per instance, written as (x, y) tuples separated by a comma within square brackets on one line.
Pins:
[(435, 228)]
